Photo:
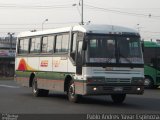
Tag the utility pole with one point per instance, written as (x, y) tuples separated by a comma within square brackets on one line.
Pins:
[(81, 14), (10, 38), (82, 22)]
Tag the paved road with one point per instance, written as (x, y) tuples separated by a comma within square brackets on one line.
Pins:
[(17, 100)]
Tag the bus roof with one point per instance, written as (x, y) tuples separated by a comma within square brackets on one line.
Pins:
[(103, 29), (151, 44)]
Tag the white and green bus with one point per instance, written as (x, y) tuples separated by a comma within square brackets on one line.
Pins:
[(81, 60)]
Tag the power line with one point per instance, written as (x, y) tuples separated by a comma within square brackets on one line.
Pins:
[(36, 6), (130, 8), (151, 32), (121, 12), (70, 6)]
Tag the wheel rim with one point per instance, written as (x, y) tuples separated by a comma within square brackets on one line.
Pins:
[(72, 90), (147, 82), (34, 87)]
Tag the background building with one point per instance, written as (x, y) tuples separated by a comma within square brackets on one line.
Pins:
[(7, 56)]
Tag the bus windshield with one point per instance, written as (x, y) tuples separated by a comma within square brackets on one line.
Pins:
[(114, 49)]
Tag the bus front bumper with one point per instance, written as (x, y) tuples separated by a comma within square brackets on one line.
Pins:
[(105, 90)]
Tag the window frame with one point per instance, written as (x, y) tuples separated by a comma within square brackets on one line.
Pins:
[(18, 46), (68, 43), (40, 47), (48, 53), (29, 53)]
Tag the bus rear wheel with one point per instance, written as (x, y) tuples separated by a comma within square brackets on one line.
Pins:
[(72, 96), (38, 92), (118, 98), (148, 82)]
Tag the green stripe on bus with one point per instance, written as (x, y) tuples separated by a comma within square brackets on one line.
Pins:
[(47, 75)]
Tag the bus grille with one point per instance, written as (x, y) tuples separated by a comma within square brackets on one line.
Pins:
[(110, 88), (117, 80)]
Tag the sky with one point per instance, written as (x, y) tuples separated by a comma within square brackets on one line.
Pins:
[(23, 15)]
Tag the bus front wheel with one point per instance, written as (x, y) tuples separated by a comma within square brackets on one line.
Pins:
[(118, 98), (38, 92), (72, 96)]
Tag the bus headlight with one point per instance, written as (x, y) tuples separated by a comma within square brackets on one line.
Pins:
[(138, 89), (138, 81), (95, 88)]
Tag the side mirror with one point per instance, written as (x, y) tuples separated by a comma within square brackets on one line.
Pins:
[(142, 46), (84, 46)]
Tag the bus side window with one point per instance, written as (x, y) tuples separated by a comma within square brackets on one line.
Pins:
[(62, 43), (58, 47), (23, 46), (20, 46), (47, 44), (73, 45), (44, 44), (26, 44), (35, 45)]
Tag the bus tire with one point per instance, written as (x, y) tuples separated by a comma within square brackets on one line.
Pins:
[(118, 98), (148, 82), (38, 92), (72, 96)]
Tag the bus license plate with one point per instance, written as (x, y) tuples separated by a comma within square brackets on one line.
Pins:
[(118, 89)]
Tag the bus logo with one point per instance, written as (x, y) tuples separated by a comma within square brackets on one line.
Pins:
[(44, 63), (24, 66), (56, 63)]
